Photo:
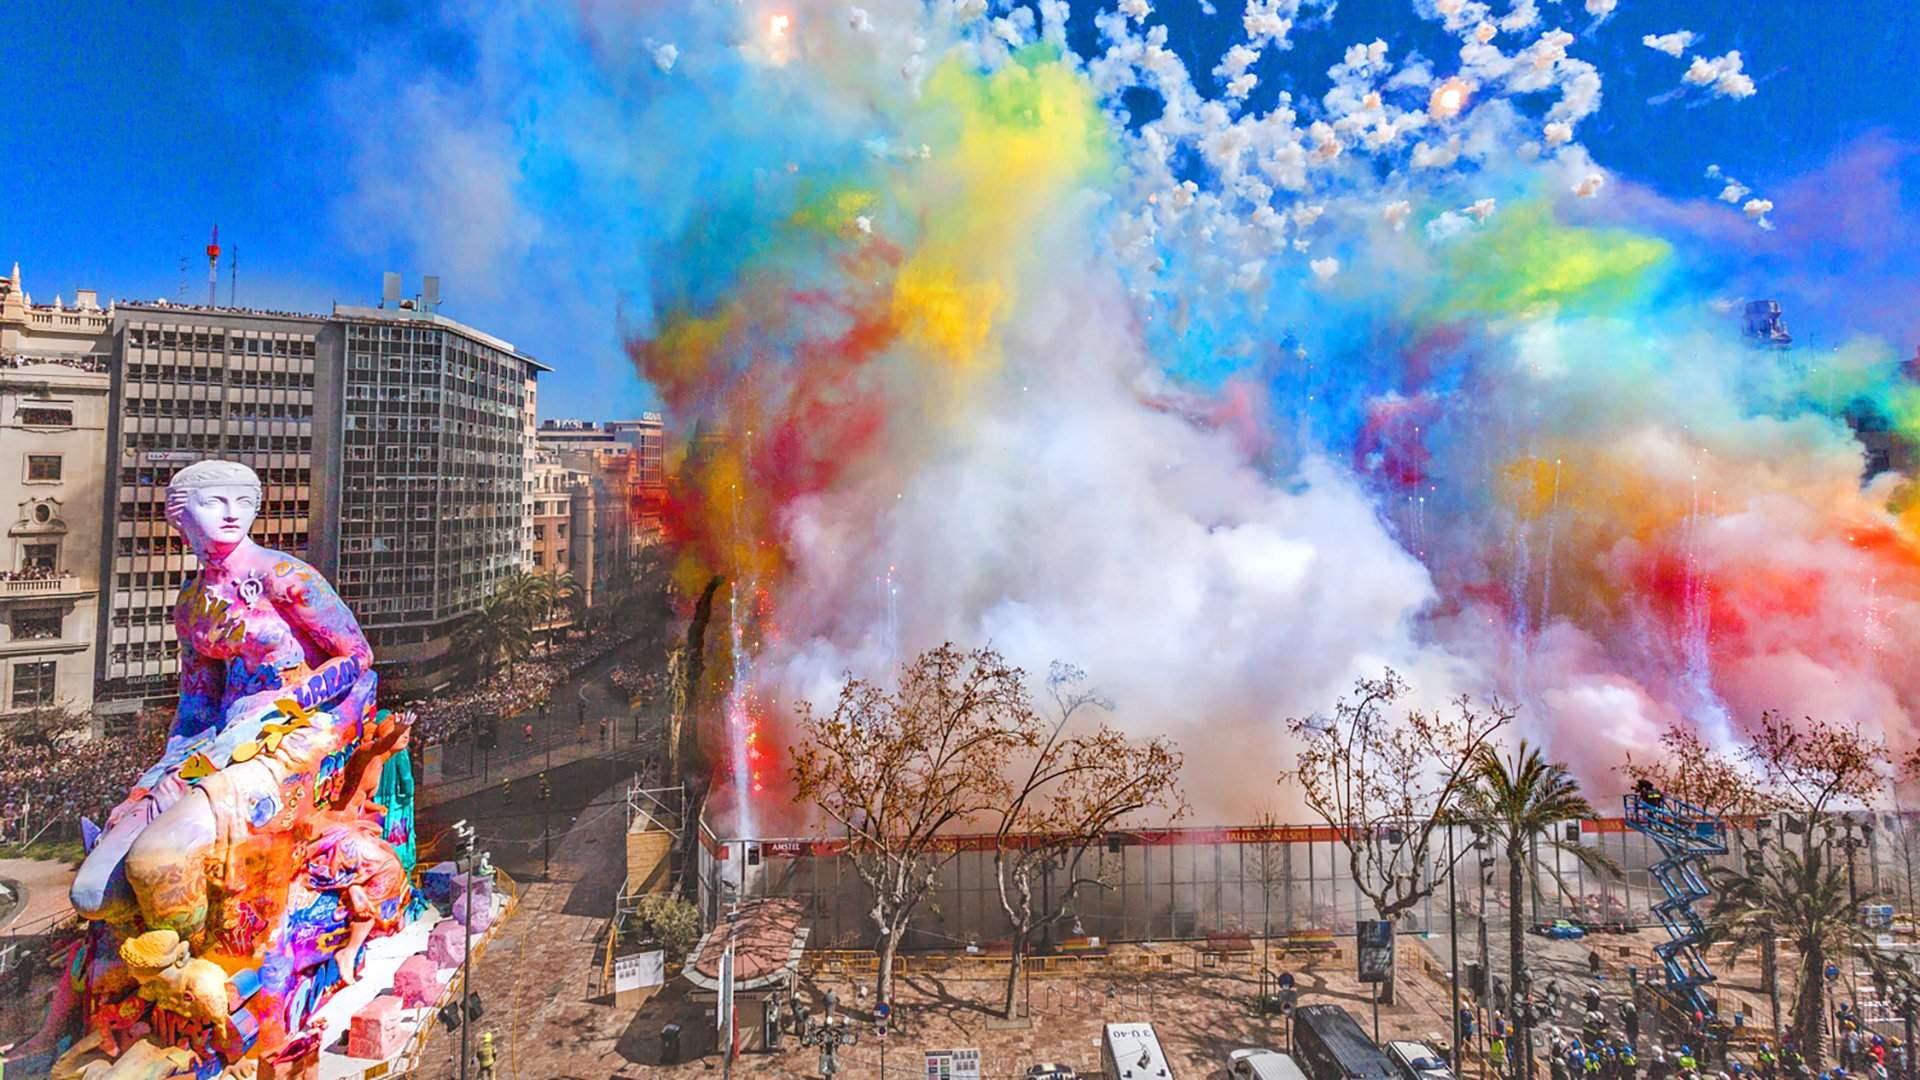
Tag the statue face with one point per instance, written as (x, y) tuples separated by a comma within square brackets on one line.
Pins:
[(216, 518)]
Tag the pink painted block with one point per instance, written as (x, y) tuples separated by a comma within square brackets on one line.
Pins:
[(375, 1030), (418, 981), (482, 911), (482, 890), (446, 943)]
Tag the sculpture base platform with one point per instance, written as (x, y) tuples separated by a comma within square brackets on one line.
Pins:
[(383, 961)]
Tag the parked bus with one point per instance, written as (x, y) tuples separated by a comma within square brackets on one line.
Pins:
[(1329, 1045)]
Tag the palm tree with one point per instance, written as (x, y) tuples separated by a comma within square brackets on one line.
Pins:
[(1523, 801), (1801, 896), (558, 589), (503, 627)]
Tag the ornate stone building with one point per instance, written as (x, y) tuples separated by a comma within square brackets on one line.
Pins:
[(54, 389)]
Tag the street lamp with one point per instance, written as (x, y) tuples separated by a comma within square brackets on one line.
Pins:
[(829, 1034)]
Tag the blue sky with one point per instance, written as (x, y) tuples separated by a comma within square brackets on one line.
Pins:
[(131, 134)]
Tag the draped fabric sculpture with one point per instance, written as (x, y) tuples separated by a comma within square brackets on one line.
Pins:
[(236, 887)]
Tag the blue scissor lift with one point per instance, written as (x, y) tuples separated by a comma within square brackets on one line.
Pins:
[(1687, 835)]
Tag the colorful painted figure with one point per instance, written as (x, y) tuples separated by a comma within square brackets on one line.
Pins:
[(257, 629), (237, 885)]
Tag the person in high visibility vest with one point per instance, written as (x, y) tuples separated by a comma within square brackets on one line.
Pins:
[(485, 1056), (1497, 1055)]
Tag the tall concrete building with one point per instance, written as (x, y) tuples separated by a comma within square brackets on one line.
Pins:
[(195, 382), (54, 404), (433, 486)]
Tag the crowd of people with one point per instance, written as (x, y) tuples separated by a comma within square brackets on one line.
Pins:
[(639, 679), (34, 573), (63, 778), (508, 694), (13, 361), (65, 775)]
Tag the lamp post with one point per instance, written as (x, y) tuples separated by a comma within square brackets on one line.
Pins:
[(464, 832), (829, 1034)]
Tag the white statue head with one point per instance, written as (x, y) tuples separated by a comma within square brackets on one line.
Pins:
[(213, 504)]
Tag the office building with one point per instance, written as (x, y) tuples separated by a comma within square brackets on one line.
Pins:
[(433, 486), (197, 382), (54, 405)]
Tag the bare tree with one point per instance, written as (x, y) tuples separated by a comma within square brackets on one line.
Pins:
[(1386, 785), (1811, 767), (897, 767), (1075, 788), (1693, 772)]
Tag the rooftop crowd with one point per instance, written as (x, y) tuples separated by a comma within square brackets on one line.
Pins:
[(81, 363)]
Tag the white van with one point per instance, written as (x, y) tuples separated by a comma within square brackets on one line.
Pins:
[(1132, 1052), (1252, 1064)]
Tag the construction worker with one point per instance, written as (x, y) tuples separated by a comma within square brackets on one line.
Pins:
[(506, 790), (485, 1057), (1686, 1060), (1765, 1062), (1497, 1055), (546, 792)]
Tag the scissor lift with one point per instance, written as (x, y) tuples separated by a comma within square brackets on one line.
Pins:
[(1686, 835)]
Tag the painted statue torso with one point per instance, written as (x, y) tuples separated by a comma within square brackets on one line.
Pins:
[(232, 615)]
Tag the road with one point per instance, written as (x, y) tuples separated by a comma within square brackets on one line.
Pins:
[(511, 820)]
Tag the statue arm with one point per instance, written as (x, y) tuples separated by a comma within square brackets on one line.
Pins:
[(311, 605)]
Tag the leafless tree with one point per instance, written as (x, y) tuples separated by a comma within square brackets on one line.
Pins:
[(1386, 783), (1073, 789), (895, 768)]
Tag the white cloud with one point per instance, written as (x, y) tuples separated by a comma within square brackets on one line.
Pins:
[(1396, 214), (858, 20), (1137, 10), (1481, 210), (1601, 8), (665, 56), (1758, 209), (1721, 74), (1325, 268), (1734, 191), (1558, 132), (1590, 186), (1672, 44), (1524, 15)]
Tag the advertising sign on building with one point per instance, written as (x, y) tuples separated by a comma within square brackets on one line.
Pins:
[(953, 1064), (1375, 938)]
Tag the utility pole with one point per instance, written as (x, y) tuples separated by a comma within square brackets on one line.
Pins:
[(546, 830), (1453, 952), (465, 833)]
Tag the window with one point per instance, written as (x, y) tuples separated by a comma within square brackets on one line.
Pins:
[(35, 625), (39, 556), (33, 684), (43, 466), (45, 415)]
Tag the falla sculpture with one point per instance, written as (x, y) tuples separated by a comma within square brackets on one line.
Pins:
[(235, 888)]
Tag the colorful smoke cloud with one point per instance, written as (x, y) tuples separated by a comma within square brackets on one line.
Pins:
[(1230, 405)]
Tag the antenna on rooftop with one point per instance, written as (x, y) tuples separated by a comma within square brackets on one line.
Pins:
[(390, 289), (430, 292), (233, 276), (213, 269)]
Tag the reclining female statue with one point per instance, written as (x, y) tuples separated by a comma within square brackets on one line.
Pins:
[(237, 885), (275, 676)]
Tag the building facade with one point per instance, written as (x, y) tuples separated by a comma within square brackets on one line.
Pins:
[(54, 407), (197, 382), (433, 484)]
